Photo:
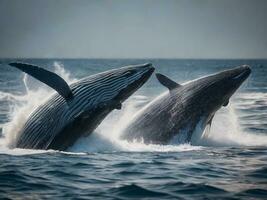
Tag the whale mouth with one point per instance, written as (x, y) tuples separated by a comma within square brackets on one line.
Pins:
[(147, 69), (147, 65)]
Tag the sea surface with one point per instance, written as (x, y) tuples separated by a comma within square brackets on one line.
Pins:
[(228, 163)]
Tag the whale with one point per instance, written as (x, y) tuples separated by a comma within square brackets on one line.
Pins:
[(175, 115), (76, 110)]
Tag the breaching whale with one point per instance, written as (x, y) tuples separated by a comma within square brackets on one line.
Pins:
[(175, 114), (76, 109)]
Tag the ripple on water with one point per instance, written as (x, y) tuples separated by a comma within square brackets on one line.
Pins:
[(255, 193), (259, 174), (136, 191)]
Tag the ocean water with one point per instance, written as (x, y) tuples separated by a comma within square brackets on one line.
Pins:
[(228, 163)]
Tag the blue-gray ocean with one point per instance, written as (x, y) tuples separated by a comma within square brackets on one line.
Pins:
[(228, 163)]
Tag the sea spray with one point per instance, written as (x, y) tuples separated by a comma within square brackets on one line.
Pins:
[(59, 69), (226, 130)]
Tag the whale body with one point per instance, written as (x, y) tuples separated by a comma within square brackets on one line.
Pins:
[(175, 114), (76, 109)]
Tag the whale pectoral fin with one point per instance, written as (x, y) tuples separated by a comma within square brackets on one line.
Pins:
[(210, 121), (226, 103), (207, 129), (118, 106), (49, 78), (115, 105), (167, 82)]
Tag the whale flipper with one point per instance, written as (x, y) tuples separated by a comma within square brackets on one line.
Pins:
[(49, 78), (226, 103), (167, 82)]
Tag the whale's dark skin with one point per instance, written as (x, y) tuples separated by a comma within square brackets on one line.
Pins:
[(76, 110), (178, 111)]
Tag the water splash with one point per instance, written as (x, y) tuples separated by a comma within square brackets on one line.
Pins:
[(227, 131), (59, 69)]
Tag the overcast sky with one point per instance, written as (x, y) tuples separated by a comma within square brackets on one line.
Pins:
[(133, 29)]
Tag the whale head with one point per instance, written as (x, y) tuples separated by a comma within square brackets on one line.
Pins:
[(111, 88), (214, 91)]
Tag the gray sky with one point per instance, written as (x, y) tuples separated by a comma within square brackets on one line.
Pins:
[(133, 29)]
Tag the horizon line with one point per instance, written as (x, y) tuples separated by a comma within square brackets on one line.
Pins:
[(134, 58)]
